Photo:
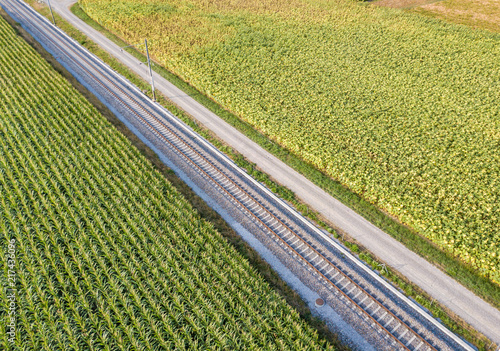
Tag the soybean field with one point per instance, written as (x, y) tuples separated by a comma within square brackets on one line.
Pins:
[(400, 108), (99, 251)]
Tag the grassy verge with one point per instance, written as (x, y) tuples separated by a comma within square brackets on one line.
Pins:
[(412, 240)]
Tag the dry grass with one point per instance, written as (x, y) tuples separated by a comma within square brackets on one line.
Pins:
[(403, 4), (480, 14)]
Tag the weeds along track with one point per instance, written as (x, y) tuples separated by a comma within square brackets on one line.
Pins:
[(374, 301)]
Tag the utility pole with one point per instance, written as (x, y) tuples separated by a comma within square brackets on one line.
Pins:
[(150, 70), (50, 7), (149, 65)]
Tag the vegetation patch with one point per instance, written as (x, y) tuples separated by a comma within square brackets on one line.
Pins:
[(480, 14)]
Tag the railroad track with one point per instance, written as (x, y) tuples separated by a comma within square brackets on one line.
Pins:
[(243, 192)]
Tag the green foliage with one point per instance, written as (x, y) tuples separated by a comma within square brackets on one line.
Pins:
[(399, 108), (109, 255)]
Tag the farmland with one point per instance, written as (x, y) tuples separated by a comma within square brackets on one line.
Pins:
[(400, 108), (102, 251)]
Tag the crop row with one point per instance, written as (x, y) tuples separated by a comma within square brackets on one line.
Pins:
[(399, 108), (107, 254)]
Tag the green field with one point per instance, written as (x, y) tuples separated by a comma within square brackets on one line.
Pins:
[(104, 253), (400, 108)]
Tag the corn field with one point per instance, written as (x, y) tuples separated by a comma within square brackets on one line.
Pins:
[(108, 256), (401, 109)]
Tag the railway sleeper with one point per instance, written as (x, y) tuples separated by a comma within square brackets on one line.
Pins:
[(419, 346), (402, 335), (375, 310), (411, 340), (352, 289), (388, 322)]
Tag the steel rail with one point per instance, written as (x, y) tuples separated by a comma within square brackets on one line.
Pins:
[(232, 197)]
